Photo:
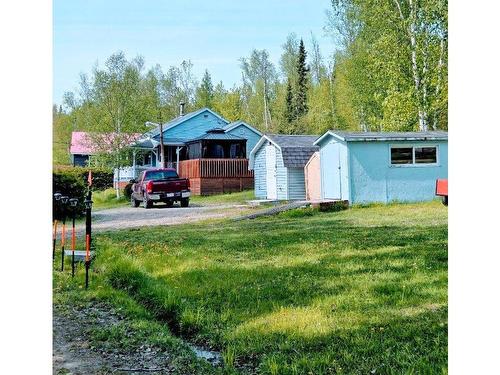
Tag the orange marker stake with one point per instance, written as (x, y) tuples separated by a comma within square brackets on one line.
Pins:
[(54, 237)]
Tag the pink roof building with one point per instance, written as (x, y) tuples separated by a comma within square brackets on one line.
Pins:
[(83, 144)]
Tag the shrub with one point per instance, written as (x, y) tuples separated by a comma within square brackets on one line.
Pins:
[(102, 178), (127, 191), (71, 185)]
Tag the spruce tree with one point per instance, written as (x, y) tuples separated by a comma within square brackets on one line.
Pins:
[(301, 90), (205, 92), (289, 109)]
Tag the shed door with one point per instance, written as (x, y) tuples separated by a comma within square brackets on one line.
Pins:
[(331, 171), (271, 172)]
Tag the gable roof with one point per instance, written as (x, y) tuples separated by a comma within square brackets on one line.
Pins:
[(180, 119), (383, 136), (295, 149), (235, 124)]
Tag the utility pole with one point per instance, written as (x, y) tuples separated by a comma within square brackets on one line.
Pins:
[(162, 153)]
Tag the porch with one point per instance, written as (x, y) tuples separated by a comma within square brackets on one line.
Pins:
[(206, 176), (216, 176)]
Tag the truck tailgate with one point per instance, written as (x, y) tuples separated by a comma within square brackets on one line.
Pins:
[(169, 186)]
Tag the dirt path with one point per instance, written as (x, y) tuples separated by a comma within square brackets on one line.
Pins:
[(129, 217), (73, 352)]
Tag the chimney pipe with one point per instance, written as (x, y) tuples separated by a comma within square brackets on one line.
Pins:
[(181, 108)]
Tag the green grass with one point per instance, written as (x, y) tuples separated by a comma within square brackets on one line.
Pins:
[(228, 198), (352, 292), (107, 199)]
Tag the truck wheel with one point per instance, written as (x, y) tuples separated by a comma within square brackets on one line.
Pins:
[(185, 202), (146, 203), (134, 202)]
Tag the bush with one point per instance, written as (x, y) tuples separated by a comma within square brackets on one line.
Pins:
[(127, 191), (71, 185), (102, 178)]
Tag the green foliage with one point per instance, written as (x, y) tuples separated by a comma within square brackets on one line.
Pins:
[(205, 92), (301, 107), (105, 199), (71, 184), (61, 136), (391, 72), (102, 178)]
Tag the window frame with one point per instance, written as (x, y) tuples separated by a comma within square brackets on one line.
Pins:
[(413, 164)]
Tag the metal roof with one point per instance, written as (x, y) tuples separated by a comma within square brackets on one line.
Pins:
[(295, 149), (385, 136), (217, 136)]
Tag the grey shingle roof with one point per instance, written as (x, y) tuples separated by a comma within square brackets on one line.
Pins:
[(295, 149), (393, 136)]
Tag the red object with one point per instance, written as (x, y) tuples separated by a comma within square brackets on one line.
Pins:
[(87, 248), (89, 179), (160, 185), (442, 187)]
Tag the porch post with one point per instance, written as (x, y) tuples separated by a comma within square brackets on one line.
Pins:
[(134, 152), (177, 150)]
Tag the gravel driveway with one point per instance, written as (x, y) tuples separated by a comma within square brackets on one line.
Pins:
[(129, 217)]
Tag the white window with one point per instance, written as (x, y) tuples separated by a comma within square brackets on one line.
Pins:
[(412, 155)]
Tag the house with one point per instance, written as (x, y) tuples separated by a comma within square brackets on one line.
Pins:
[(364, 167), (278, 163), (80, 149), (85, 144), (202, 146)]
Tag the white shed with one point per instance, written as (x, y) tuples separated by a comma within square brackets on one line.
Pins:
[(278, 162)]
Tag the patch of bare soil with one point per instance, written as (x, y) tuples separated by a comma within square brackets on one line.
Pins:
[(73, 352)]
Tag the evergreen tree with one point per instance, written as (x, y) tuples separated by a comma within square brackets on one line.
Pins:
[(301, 90), (205, 92), (289, 110)]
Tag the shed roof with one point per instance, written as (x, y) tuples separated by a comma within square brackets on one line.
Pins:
[(295, 149), (384, 136)]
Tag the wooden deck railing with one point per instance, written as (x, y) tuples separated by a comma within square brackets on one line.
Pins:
[(214, 168)]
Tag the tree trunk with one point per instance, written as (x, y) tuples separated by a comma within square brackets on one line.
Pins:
[(438, 84)]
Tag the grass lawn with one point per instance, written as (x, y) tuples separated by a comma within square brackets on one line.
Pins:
[(105, 199), (362, 291)]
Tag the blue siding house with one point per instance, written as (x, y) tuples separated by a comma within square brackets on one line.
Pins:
[(203, 146), (365, 167), (278, 163)]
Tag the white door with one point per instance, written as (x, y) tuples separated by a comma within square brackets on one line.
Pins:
[(271, 172), (330, 160)]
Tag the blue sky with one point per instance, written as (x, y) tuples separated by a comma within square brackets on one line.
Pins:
[(212, 34)]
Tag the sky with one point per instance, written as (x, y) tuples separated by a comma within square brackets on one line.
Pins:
[(212, 34)]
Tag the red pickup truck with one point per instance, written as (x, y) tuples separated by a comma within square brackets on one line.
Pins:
[(160, 185)]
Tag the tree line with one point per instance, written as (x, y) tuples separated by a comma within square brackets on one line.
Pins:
[(389, 72)]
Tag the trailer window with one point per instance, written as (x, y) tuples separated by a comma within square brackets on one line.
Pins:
[(425, 155), (401, 155), (413, 155)]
